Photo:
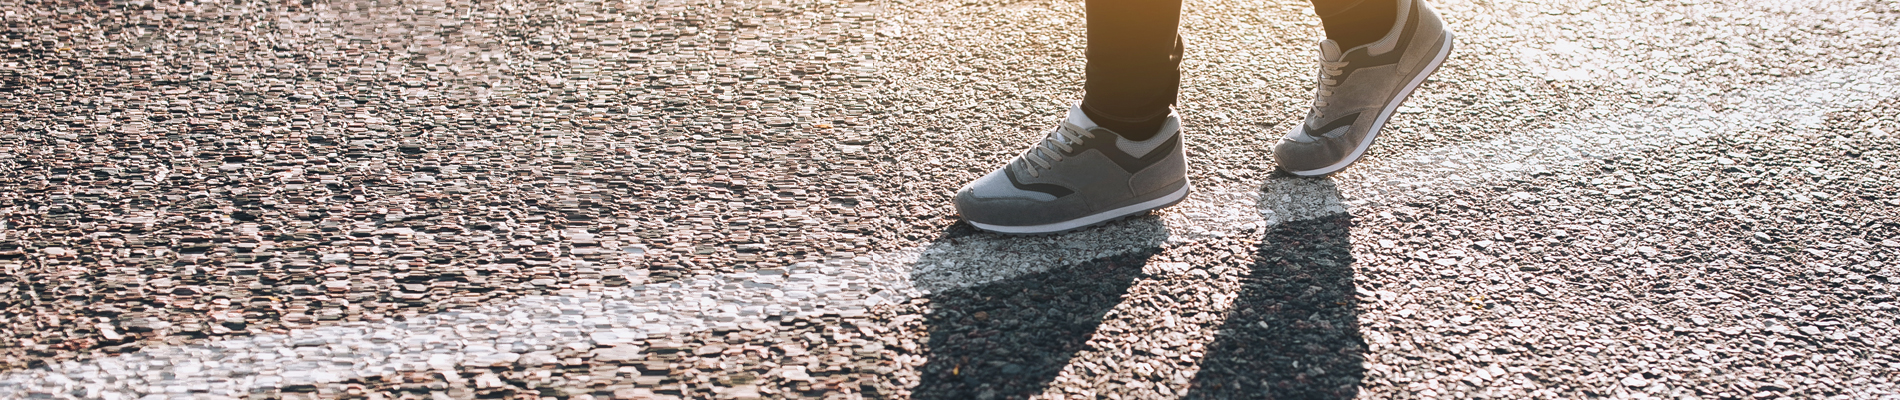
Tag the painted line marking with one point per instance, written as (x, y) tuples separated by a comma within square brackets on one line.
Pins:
[(471, 337)]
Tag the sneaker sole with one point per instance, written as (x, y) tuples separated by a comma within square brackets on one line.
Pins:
[(1092, 219), (1390, 107)]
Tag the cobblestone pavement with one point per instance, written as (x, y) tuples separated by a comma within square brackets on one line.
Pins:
[(746, 199)]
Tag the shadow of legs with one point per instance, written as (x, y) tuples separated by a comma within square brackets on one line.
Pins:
[(1009, 338), (1293, 333)]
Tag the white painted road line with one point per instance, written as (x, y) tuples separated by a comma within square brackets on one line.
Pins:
[(599, 321), (1799, 103), (606, 322)]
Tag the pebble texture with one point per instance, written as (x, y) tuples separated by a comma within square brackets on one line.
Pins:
[(748, 199)]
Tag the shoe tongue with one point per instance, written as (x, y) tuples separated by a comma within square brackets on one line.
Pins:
[(1076, 117), (1079, 118), (1329, 50)]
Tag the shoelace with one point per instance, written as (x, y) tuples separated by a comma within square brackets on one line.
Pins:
[(1045, 154), (1328, 71)]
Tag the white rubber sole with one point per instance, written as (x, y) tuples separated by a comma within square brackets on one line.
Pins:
[(1444, 52), (1093, 219)]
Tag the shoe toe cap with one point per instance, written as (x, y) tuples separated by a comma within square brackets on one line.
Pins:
[(1297, 156), (966, 201), (1005, 211), (999, 203)]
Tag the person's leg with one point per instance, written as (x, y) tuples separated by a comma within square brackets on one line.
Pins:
[(1354, 23), (1116, 154), (1134, 64)]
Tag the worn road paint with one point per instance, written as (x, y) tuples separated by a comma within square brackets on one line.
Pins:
[(614, 318)]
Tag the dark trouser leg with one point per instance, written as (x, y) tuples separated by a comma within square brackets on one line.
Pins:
[(1134, 64), (1353, 23)]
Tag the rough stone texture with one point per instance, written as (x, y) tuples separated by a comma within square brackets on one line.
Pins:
[(607, 199)]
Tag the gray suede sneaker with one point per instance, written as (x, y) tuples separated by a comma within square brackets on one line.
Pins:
[(1080, 175), (1360, 87)]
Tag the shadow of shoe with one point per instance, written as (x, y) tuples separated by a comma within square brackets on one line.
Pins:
[(1007, 313), (1293, 332)]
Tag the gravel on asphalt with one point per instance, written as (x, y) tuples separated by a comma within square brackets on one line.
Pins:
[(535, 199)]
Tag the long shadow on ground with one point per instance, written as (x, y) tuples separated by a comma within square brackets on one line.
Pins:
[(1009, 338), (1293, 332)]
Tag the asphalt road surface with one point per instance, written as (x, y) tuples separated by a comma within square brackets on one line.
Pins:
[(750, 199)]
